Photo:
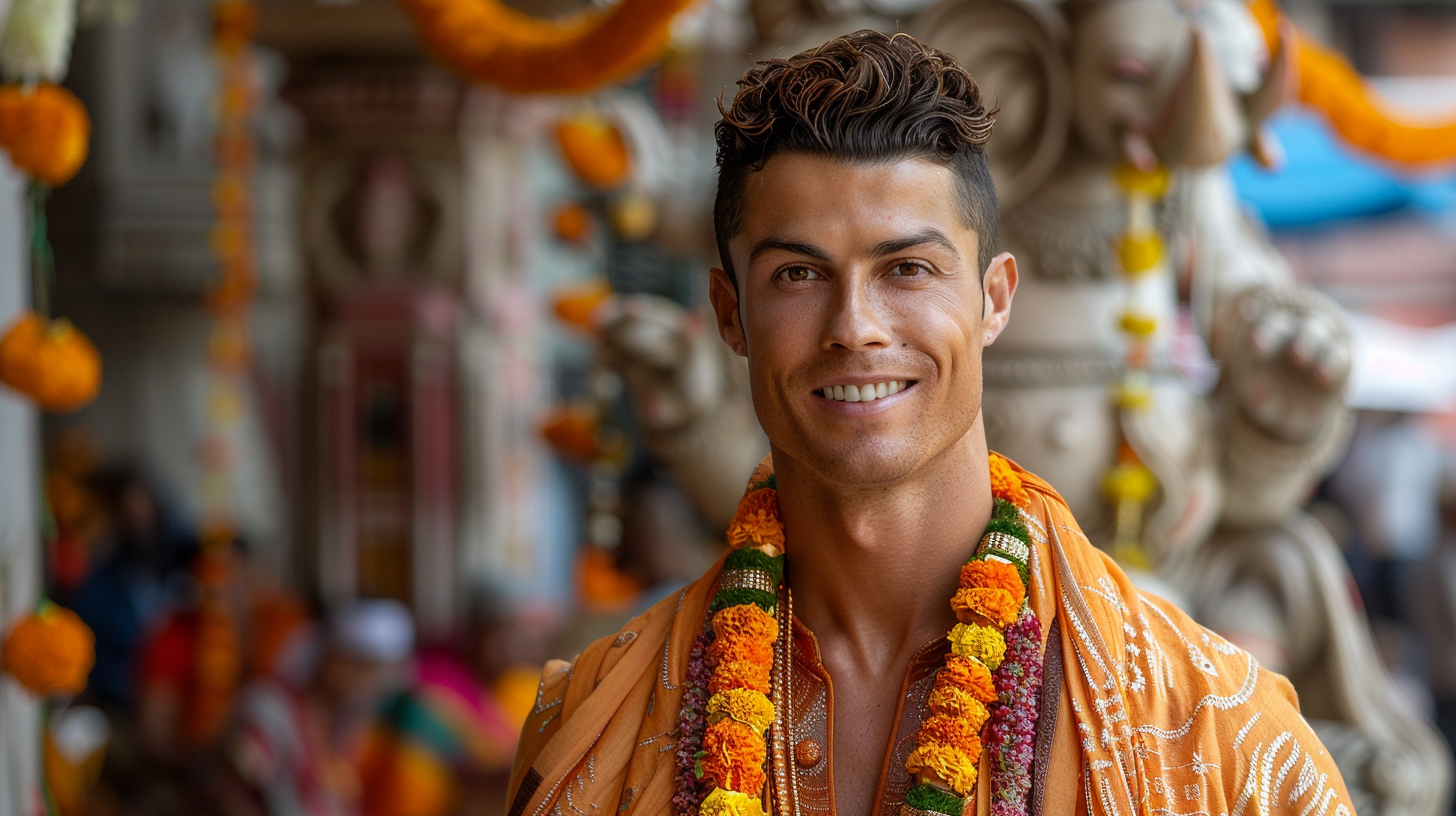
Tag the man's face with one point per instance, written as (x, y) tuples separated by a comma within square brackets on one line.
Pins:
[(860, 278)]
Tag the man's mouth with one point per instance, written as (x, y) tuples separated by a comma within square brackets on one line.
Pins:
[(864, 393)]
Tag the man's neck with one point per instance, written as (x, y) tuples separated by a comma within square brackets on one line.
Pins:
[(874, 568)]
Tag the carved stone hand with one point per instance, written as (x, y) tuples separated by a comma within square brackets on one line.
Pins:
[(1287, 360)]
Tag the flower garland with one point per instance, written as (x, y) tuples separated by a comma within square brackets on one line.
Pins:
[(992, 674), (49, 651), (723, 748), (1328, 83), (487, 41), (1129, 484)]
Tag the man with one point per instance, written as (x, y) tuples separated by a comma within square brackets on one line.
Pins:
[(296, 746), (856, 223)]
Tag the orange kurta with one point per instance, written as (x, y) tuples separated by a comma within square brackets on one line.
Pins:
[(1158, 716)]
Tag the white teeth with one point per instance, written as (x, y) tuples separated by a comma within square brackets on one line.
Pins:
[(862, 393)]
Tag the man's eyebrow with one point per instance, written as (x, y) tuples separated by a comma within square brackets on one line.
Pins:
[(788, 246), (926, 236)]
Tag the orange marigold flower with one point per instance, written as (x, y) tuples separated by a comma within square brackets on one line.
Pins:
[(756, 523), (996, 605), (950, 765), (733, 757), (738, 674), (953, 701), (747, 621), (739, 649), (992, 574), (969, 674), (1005, 483), (941, 729)]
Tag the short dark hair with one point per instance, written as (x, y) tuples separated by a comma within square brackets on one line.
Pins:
[(863, 97)]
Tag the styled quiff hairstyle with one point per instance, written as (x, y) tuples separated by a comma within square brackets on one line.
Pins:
[(865, 98)]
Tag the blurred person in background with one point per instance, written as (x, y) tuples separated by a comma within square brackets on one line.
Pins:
[(140, 564), (1389, 487), (445, 745), (1433, 602), (142, 556), (296, 747)]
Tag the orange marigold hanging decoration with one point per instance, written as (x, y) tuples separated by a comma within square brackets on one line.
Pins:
[(45, 130), (1329, 83), (594, 150), (51, 362), (487, 41), (50, 651)]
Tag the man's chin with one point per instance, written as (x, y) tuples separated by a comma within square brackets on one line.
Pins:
[(862, 462)]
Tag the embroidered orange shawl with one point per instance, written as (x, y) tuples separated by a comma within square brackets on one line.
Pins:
[(1171, 719)]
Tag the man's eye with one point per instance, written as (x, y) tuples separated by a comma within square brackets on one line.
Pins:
[(799, 274), (906, 269)]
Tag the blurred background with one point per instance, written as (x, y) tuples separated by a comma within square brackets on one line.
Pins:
[(405, 385)]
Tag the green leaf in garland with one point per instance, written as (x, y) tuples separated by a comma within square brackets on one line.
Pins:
[(934, 800), (749, 558), (737, 597)]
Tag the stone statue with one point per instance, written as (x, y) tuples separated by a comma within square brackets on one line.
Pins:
[(1083, 89)]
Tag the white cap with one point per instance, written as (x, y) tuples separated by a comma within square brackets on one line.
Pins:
[(376, 629)]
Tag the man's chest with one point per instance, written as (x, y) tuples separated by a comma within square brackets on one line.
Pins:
[(830, 731)]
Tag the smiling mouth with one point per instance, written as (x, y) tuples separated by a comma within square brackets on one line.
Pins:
[(864, 393)]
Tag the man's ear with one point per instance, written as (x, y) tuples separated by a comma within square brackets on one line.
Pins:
[(724, 297), (997, 287)]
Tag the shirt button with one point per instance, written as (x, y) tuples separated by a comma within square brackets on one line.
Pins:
[(808, 753)]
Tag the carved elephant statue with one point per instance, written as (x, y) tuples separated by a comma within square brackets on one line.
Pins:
[(1084, 87)]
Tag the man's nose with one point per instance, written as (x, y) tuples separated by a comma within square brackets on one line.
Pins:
[(856, 319)]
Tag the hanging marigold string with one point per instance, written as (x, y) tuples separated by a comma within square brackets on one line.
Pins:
[(485, 41), (1329, 83), (218, 667)]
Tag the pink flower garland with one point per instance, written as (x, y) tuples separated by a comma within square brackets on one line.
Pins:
[(692, 719), (1012, 731)]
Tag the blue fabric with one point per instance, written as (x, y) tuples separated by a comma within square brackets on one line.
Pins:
[(1325, 180)]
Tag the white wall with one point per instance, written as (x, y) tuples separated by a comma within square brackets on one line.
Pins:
[(19, 537)]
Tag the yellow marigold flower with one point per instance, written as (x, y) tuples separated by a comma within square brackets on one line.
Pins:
[(995, 605), (1005, 483), (943, 729), (969, 675), (981, 642), (730, 803), (957, 702), (954, 767), (747, 622), (756, 524), (1139, 252), (1129, 482), (752, 708)]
